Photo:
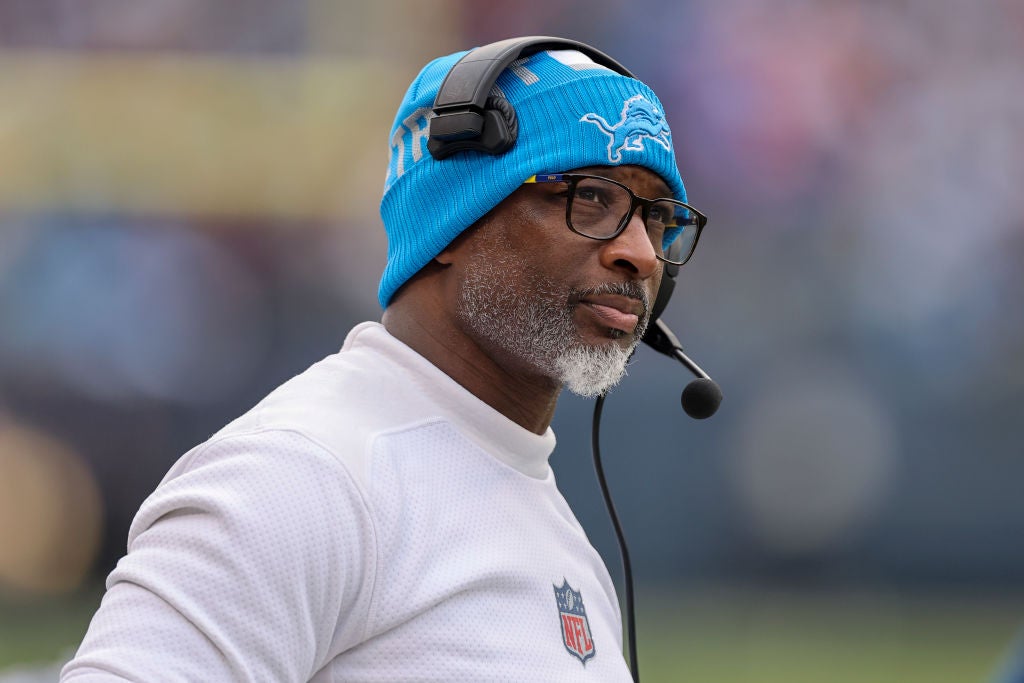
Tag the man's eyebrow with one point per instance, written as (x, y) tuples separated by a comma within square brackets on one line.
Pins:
[(661, 190)]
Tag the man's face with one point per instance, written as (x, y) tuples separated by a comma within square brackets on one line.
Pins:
[(542, 300)]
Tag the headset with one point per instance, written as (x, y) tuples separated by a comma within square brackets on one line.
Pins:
[(467, 117)]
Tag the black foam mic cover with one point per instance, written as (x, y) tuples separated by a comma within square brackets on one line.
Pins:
[(701, 398)]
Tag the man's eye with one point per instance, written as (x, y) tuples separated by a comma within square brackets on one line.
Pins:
[(662, 213), (589, 194)]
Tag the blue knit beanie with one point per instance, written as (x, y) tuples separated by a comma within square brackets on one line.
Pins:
[(572, 113)]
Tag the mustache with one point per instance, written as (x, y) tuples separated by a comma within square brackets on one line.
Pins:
[(631, 289)]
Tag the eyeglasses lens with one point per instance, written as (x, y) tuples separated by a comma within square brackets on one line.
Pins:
[(599, 207)]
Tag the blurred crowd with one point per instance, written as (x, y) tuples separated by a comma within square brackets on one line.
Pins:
[(188, 217)]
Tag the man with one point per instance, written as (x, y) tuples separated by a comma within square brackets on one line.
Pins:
[(390, 515)]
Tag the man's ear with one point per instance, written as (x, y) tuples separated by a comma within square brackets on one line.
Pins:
[(446, 257), (451, 253)]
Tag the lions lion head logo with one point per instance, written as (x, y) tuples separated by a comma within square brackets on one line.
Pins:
[(640, 120)]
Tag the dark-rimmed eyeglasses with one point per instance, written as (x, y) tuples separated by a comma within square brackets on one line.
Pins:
[(600, 208)]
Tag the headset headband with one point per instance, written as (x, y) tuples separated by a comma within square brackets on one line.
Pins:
[(466, 118)]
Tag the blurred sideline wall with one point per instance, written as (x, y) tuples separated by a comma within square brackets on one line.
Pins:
[(188, 217)]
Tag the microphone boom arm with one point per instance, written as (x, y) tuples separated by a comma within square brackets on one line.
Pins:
[(662, 340)]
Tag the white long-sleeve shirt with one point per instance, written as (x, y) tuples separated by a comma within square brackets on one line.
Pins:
[(370, 520)]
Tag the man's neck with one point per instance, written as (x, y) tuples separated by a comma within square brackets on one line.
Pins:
[(525, 398)]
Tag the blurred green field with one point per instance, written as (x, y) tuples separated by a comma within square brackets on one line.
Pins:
[(712, 635), (730, 635), (43, 630)]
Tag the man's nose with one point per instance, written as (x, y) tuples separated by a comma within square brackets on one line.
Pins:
[(632, 250)]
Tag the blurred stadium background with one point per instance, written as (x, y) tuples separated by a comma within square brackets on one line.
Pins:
[(188, 216)]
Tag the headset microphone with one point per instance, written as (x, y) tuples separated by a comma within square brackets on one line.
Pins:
[(702, 396), (700, 400)]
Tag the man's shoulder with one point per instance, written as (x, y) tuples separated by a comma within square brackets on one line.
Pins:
[(339, 403)]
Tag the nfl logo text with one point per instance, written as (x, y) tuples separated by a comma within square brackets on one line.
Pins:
[(575, 627)]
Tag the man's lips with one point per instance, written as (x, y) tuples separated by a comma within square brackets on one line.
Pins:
[(615, 310)]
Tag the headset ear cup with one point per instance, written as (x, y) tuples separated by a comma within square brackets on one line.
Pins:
[(668, 285), (668, 281), (501, 126)]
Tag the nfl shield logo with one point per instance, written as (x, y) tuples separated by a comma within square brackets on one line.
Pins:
[(575, 627)]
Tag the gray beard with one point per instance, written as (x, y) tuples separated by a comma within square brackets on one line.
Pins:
[(539, 330)]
